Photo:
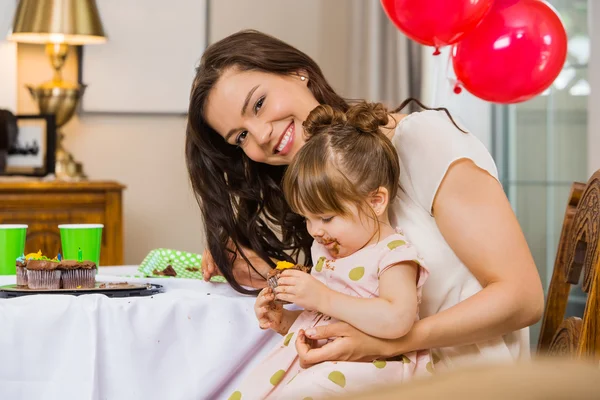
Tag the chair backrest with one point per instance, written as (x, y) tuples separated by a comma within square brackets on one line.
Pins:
[(578, 251)]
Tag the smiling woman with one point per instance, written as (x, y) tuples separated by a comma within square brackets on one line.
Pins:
[(247, 106)]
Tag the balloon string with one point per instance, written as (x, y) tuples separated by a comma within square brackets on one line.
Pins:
[(454, 84), (448, 63), (434, 87)]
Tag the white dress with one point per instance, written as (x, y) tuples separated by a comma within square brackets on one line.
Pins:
[(428, 144)]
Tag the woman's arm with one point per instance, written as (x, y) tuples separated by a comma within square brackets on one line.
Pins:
[(389, 316), (476, 219)]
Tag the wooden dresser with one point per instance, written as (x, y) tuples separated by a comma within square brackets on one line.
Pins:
[(44, 205)]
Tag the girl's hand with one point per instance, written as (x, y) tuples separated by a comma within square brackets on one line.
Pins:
[(349, 344), (302, 289), (268, 313), (242, 272)]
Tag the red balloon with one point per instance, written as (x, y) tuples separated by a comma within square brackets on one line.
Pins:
[(436, 22), (516, 52)]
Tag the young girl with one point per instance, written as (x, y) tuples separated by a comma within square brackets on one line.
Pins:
[(365, 273)]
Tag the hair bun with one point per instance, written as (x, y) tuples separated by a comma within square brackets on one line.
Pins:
[(367, 117), (322, 118)]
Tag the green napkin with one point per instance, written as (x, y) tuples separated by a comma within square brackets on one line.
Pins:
[(186, 265)]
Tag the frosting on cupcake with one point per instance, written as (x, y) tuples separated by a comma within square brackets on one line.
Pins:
[(42, 264), (73, 264), (284, 265)]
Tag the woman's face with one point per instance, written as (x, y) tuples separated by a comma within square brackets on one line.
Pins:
[(261, 112)]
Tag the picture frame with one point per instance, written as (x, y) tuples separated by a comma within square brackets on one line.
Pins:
[(145, 67), (34, 152)]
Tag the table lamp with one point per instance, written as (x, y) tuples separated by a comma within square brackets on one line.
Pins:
[(58, 24)]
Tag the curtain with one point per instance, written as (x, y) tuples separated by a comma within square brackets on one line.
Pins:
[(384, 65)]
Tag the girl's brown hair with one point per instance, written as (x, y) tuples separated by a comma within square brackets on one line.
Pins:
[(345, 159)]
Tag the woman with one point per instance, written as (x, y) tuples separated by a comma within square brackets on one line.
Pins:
[(248, 101)]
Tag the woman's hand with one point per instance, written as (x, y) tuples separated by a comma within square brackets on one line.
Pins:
[(209, 268), (268, 313), (242, 272), (302, 289), (349, 344)]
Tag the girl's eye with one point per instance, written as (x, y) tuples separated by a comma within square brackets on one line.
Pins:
[(326, 220), (239, 140), (258, 105)]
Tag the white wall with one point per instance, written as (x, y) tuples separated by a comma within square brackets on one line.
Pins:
[(594, 81), (319, 28), (146, 153), (8, 59)]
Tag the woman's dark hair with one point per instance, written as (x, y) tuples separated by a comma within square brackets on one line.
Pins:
[(242, 202)]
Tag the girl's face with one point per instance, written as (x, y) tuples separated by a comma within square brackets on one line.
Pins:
[(261, 112), (343, 235)]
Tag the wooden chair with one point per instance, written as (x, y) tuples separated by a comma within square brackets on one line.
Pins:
[(578, 251)]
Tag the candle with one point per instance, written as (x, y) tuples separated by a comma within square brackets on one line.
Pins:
[(79, 255)]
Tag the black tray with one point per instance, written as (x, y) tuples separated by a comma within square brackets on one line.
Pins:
[(106, 288)]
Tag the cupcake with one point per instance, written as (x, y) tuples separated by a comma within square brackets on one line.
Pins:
[(21, 271), (281, 266), (43, 274), (77, 274)]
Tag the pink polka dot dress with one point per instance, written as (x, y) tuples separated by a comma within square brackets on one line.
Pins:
[(280, 376)]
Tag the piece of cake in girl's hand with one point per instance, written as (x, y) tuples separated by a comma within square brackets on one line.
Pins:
[(279, 268)]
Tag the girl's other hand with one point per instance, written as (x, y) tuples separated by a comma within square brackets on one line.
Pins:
[(268, 313)]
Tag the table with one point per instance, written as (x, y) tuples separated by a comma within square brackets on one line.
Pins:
[(195, 341)]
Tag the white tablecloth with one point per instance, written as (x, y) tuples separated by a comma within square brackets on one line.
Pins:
[(196, 341)]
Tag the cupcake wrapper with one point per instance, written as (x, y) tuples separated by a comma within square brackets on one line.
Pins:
[(21, 276), (43, 279), (78, 278), (272, 282)]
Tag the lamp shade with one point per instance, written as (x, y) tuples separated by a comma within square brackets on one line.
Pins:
[(57, 21)]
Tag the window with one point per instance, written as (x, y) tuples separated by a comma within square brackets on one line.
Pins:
[(541, 148)]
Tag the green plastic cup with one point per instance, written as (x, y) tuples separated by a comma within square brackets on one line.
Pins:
[(81, 242), (12, 246)]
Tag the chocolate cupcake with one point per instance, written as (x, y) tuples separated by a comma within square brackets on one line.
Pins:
[(21, 271), (274, 274), (77, 274), (43, 274)]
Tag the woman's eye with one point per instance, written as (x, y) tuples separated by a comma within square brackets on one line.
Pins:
[(240, 138), (258, 105)]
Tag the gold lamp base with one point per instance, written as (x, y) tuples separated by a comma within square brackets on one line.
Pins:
[(67, 168), (60, 99)]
